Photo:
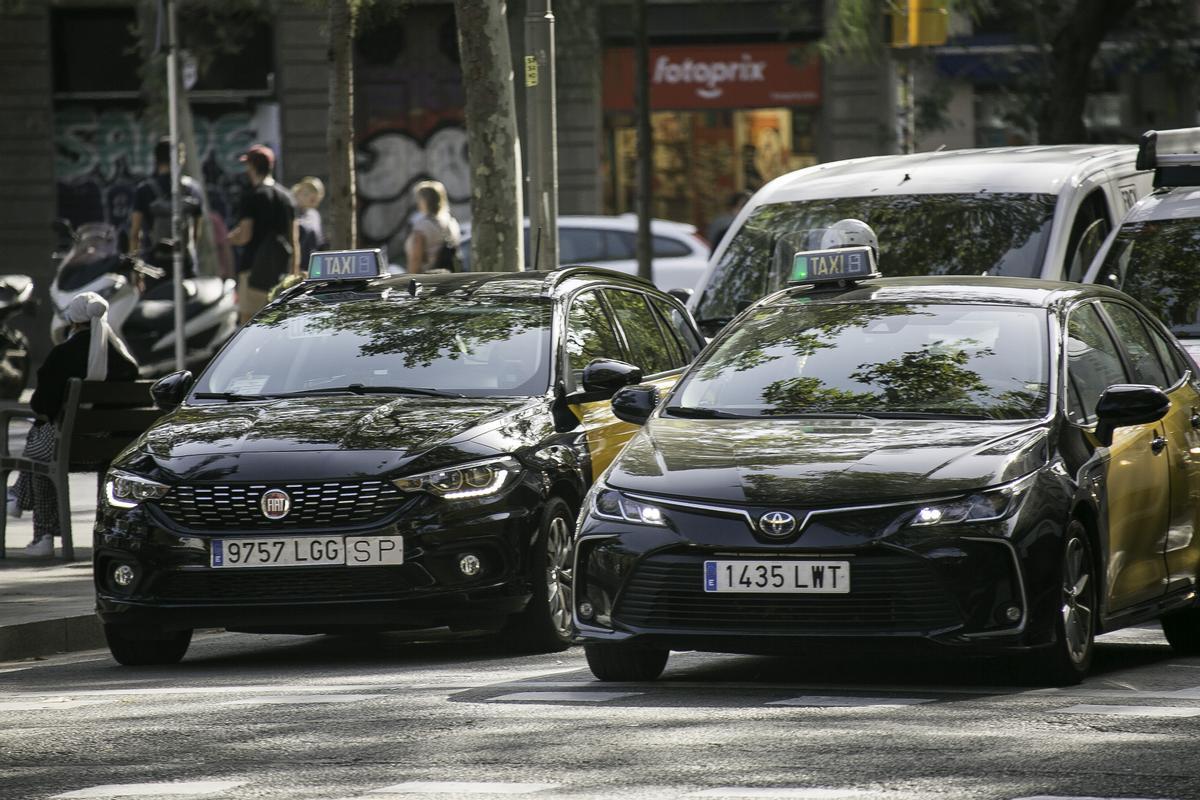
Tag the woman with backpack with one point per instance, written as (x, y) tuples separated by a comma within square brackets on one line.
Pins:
[(432, 246)]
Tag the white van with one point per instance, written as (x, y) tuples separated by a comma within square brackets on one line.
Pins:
[(1040, 212)]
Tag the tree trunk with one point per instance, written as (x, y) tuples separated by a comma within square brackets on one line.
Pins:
[(497, 242), (1072, 53), (343, 219)]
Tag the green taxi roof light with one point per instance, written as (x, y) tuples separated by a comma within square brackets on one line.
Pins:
[(814, 267), (345, 265)]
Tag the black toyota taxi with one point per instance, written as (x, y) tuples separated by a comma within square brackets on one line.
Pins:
[(376, 451), (991, 465)]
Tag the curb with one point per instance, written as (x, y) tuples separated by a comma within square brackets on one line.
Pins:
[(51, 636)]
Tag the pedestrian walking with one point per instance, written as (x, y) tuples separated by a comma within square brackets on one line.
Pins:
[(150, 235), (266, 231), (92, 352), (309, 192), (433, 244)]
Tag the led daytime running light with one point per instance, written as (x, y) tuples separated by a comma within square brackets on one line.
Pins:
[(986, 506), (124, 490), (610, 504), (477, 479)]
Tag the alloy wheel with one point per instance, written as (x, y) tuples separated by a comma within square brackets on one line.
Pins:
[(1077, 601), (558, 574)]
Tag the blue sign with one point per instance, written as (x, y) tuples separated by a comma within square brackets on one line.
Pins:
[(842, 264), (341, 265)]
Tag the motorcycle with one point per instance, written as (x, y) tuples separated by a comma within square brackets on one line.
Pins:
[(141, 302), (16, 297)]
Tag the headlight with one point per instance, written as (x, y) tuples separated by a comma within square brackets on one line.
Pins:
[(610, 504), (478, 479), (985, 506), (124, 490)]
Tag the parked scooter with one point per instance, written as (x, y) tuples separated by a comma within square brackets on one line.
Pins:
[(141, 300), (16, 297)]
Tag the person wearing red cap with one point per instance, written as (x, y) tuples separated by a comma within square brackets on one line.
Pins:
[(266, 231)]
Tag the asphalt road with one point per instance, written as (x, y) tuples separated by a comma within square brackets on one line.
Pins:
[(386, 716)]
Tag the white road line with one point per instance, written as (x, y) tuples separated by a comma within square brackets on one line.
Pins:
[(299, 699), (566, 697), (464, 787), (824, 701), (44, 705), (1072, 797), (782, 792), (153, 789), (1132, 711)]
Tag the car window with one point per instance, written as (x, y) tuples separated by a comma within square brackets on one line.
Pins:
[(677, 325), (1143, 356), (1092, 362), (666, 247), (1088, 232), (580, 245), (589, 336), (1155, 263), (647, 347), (1169, 354), (620, 245), (997, 233)]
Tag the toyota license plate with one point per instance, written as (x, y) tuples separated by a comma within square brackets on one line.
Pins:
[(778, 577), (305, 551)]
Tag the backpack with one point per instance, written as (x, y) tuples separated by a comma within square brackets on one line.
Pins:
[(447, 257)]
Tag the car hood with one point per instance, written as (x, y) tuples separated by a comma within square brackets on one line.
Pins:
[(339, 423), (812, 463)]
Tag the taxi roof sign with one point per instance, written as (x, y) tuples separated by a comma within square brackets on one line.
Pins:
[(345, 265), (833, 266), (1174, 155)]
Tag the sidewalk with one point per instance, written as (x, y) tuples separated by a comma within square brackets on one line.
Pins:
[(46, 604)]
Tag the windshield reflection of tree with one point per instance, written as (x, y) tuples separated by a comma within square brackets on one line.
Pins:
[(1157, 261), (937, 376), (919, 234)]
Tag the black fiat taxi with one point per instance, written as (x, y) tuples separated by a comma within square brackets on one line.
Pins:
[(377, 451), (987, 464)]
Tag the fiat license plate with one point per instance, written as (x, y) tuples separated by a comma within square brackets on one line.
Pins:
[(303, 551), (778, 577)]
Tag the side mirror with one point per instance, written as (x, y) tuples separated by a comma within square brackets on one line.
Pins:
[(602, 378), (169, 392), (1123, 405), (635, 403), (682, 295)]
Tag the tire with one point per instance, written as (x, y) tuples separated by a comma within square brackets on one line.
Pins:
[(1068, 660), (546, 625), (1182, 629), (139, 647), (625, 662)]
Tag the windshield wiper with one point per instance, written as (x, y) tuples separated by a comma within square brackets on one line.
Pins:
[(701, 413), (232, 397), (927, 415), (824, 415), (362, 388)]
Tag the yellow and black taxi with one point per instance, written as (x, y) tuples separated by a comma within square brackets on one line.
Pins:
[(992, 465), (377, 451)]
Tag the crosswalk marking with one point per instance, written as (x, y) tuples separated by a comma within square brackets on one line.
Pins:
[(299, 699), (464, 787), (152, 789), (1133, 711), (567, 697), (829, 701)]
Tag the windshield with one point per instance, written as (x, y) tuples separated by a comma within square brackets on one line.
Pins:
[(919, 234), (452, 343), (1156, 263), (883, 359)]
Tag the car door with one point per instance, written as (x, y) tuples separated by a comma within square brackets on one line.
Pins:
[(591, 334), (1137, 488)]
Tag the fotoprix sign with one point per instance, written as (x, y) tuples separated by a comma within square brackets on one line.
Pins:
[(716, 76)]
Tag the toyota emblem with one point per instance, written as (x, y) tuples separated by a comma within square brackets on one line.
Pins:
[(275, 504), (777, 523)]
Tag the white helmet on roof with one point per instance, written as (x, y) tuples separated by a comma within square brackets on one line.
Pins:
[(850, 233)]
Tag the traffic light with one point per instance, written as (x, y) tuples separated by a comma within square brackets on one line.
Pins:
[(919, 23)]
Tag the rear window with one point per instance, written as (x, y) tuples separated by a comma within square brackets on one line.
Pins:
[(930, 234)]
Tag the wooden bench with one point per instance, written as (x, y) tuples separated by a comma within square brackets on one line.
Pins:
[(99, 420)]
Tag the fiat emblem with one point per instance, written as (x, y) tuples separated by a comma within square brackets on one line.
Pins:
[(777, 523), (275, 504)]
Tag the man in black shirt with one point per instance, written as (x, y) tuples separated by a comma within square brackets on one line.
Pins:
[(150, 223), (266, 231)]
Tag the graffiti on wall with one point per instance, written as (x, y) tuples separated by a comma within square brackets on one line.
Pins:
[(390, 163), (102, 155)]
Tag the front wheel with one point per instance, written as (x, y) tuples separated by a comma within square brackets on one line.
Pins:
[(1182, 629), (625, 662), (545, 626), (1067, 661), (137, 647)]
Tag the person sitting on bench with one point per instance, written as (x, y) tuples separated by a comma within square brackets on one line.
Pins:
[(92, 351)]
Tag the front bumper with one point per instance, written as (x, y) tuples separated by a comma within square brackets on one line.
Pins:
[(175, 587), (968, 587)]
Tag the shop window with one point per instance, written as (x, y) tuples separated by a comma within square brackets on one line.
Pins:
[(95, 50)]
